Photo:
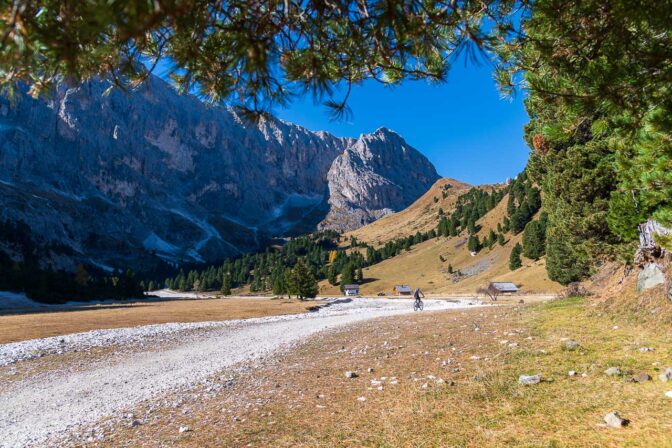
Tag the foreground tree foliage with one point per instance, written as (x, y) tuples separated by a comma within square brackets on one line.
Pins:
[(253, 53), (599, 77)]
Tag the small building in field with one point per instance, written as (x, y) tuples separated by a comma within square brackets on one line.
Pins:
[(403, 290), (505, 288), (351, 290)]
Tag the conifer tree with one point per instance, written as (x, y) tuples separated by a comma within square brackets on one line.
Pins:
[(474, 245), (226, 284), (290, 283), (347, 275), (247, 53), (279, 286), (515, 261), (332, 276), (534, 240), (304, 283), (492, 238)]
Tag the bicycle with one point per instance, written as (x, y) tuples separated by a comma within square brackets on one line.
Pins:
[(418, 305)]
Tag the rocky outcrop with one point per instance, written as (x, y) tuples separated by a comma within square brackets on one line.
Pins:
[(653, 258), (131, 178), (377, 175)]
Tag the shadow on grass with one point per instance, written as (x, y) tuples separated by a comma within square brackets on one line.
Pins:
[(93, 305)]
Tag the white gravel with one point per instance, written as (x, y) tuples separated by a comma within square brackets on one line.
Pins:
[(38, 408)]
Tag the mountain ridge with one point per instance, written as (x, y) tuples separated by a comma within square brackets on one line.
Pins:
[(132, 177)]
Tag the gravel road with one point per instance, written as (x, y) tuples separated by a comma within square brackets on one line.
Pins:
[(165, 358)]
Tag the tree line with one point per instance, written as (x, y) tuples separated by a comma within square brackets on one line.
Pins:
[(24, 267)]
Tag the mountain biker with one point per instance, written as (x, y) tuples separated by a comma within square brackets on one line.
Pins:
[(417, 295)]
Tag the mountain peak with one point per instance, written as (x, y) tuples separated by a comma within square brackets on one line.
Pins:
[(377, 175), (382, 133), (161, 176)]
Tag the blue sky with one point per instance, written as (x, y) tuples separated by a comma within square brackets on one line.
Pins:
[(462, 126)]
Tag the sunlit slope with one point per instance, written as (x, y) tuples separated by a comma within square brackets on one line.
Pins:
[(419, 216), (423, 267)]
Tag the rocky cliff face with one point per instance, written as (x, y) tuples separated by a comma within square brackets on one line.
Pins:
[(372, 177), (130, 178)]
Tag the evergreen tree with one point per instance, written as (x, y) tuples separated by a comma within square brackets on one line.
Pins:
[(443, 227), (370, 256), (291, 286), (304, 283), (347, 275), (601, 142), (333, 276), (226, 284), (181, 282), (214, 49), (515, 261), (279, 286), (450, 268), (360, 275), (534, 240), (520, 218), (474, 245), (501, 240), (492, 238)]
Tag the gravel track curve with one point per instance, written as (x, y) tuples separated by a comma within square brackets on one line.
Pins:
[(36, 409)]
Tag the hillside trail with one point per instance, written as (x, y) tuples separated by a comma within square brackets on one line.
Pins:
[(44, 407)]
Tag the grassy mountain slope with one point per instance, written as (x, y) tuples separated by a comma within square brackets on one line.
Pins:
[(419, 216), (423, 267)]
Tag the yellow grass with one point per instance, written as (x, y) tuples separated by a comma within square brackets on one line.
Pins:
[(19, 327), (422, 266), (419, 216), (306, 401)]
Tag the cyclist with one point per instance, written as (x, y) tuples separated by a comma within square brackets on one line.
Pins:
[(418, 295)]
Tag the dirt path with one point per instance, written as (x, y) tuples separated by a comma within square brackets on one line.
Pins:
[(34, 409)]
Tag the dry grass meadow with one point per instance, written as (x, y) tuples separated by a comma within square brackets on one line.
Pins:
[(445, 379), (23, 326), (426, 264)]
